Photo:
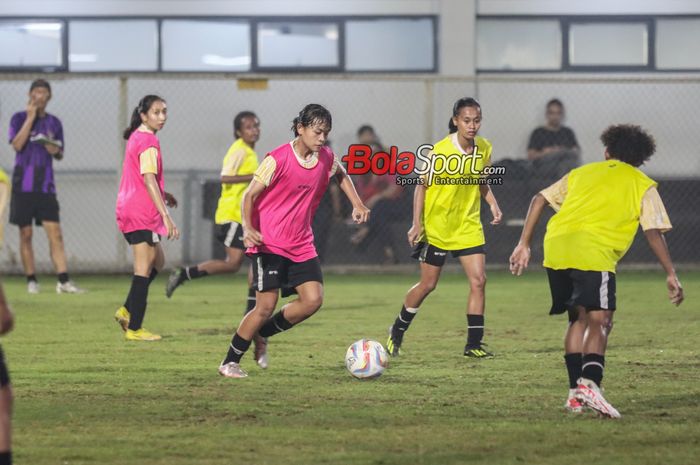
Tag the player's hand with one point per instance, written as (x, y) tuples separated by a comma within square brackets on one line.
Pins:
[(497, 214), (173, 233), (170, 200), (519, 259), (31, 108), (675, 290), (7, 321), (54, 150), (360, 214), (251, 237), (414, 234)]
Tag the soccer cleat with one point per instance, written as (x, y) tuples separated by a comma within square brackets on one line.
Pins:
[(477, 352), (123, 316), (573, 405), (174, 281), (589, 394), (393, 344), (33, 287), (232, 370), (260, 353), (141, 335), (68, 287)]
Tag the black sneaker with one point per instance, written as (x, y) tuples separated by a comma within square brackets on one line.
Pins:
[(477, 352), (174, 281), (393, 344)]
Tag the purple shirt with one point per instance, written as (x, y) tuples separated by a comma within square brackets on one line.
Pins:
[(33, 164)]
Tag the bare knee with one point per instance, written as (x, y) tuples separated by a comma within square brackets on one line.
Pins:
[(25, 235), (312, 303), (428, 286), (477, 283), (597, 319), (263, 311)]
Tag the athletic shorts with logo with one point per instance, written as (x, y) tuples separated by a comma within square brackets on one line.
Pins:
[(432, 255), (271, 271)]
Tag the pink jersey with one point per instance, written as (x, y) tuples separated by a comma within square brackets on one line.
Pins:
[(283, 213), (135, 209)]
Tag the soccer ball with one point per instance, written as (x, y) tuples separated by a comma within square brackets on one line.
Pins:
[(366, 359)]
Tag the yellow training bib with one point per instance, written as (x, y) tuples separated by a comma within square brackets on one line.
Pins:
[(229, 208)]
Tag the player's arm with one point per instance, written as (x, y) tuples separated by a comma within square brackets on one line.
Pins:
[(148, 161), (251, 236), (654, 221), (229, 173), (22, 136), (488, 196), (520, 257), (7, 319), (417, 225), (360, 213), (56, 150)]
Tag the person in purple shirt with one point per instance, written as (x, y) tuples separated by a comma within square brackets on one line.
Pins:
[(37, 137)]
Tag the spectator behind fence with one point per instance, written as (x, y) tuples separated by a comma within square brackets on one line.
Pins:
[(328, 212), (383, 196), (553, 148), (37, 137)]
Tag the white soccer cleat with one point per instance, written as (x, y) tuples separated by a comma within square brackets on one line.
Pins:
[(232, 370), (68, 288), (573, 405), (33, 287), (589, 394)]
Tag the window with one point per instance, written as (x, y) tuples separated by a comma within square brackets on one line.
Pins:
[(113, 45), (519, 44), (206, 46), (31, 44), (298, 45), (677, 43), (390, 45), (608, 44)]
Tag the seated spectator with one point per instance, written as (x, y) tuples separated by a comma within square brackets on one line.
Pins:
[(382, 195), (553, 148)]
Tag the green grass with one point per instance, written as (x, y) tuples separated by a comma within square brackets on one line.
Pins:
[(85, 396)]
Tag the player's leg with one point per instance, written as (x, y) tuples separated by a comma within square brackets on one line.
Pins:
[(249, 326), (231, 236), (26, 251), (260, 353), (6, 402), (573, 355), (4, 199), (429, 276), (58, 257), (474, 266), (145, 255)]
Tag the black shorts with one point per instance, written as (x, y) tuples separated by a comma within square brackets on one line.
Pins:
[(230, 234), (4, 374), (271, 271), (142, 235), (26, 207), (426, 253), (571, 288)]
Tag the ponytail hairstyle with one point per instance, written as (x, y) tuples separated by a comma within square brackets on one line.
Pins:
[(238, 121), (311, 114), (142, 108), (459, 104)]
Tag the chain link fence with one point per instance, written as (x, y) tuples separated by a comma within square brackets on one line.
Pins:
[(406, 111)]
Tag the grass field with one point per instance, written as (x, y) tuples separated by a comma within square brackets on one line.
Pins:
[(85, 396)]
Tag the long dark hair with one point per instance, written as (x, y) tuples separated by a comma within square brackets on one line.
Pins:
[(459, 104), (143, 107), (312, 113), (238, 121)]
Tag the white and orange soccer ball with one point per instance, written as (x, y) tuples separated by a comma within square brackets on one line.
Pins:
[(366, 359)]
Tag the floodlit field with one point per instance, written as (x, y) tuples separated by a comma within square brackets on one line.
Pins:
[(85, 396)]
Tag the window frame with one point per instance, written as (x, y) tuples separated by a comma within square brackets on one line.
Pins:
[(252, 21), (567, 20), (63, 66)]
